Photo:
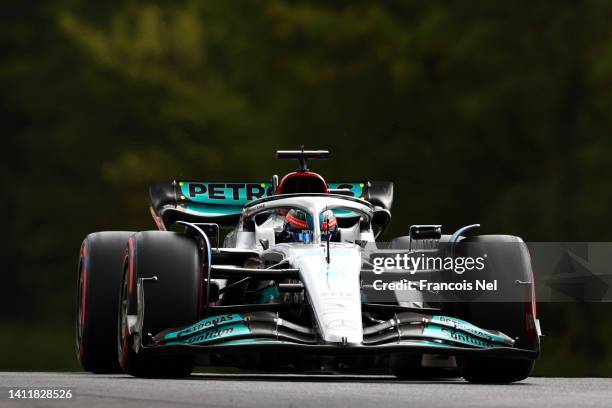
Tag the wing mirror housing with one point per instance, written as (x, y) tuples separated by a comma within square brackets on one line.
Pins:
[(425, 232)]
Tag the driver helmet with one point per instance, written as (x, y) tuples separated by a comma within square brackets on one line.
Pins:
[(328, 223), (299, 225)]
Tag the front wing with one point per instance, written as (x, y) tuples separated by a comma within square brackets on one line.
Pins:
[(265, 331)]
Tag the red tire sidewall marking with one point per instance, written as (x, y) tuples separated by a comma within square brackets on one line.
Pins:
[(124, 351), (131, 249)]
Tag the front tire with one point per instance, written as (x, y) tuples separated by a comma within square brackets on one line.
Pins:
[(509, 262), (172, 300)]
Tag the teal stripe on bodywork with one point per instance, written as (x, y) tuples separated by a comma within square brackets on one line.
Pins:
[(342, 213), (269, 295), (219, 210), (356, 188), (205, 324), (212, 210)]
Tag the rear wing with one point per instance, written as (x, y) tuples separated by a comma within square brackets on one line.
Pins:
[(222, 202)]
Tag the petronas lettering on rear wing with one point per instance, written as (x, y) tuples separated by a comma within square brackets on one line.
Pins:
[(222, 201)]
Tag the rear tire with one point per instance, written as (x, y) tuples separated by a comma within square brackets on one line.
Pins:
[(100, 266), (173, 300)]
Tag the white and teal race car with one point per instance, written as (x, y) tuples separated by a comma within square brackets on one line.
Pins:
[(286, 276)]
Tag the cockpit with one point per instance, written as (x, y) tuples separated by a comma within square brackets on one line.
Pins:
[(307, 219)]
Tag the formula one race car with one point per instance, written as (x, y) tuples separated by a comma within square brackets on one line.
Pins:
[(282, 276)]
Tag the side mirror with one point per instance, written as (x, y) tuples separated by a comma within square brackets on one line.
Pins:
[(425, 232)]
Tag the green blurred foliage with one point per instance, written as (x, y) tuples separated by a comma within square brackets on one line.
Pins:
[(482, 111)]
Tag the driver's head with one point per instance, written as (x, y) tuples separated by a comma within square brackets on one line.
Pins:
[(328, 223), (329, 226), (299, 226)]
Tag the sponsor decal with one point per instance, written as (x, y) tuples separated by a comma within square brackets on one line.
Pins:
[(468, 327), (456, 336), (217, 333), (239, 193), (219, 193), (421, 262), (205, 324), (460, 324)]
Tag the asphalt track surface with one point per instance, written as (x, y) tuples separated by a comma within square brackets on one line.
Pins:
[(265, 390)]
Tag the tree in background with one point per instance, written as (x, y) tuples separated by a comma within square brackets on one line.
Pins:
[(480, 112)]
